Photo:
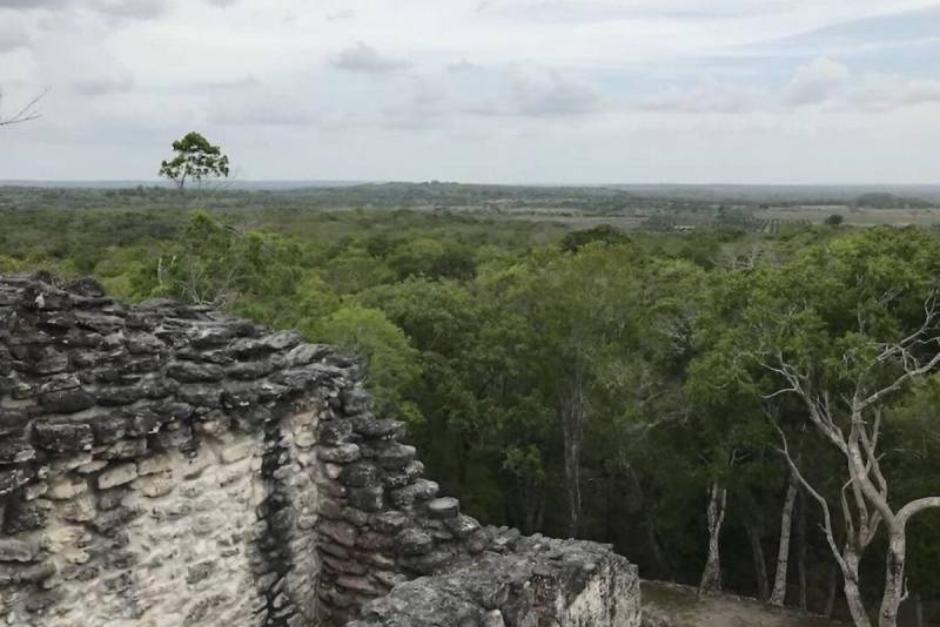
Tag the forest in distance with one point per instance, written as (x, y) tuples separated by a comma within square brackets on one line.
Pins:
[(731, 406)]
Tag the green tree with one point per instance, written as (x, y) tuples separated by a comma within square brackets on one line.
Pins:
[(846, 329), (392, 363), (196, 159)]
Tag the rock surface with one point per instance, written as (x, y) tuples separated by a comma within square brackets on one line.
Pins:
[(539, 582)]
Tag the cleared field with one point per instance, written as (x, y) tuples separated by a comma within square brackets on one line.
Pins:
[(852, 215)]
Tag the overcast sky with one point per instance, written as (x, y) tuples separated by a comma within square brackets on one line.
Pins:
[(565, 91)]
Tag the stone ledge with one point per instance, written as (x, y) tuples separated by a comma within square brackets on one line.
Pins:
[(543, 582)]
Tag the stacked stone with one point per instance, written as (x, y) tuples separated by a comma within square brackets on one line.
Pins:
[(163, 465), (566, 583), (109, 414), (382, 523)]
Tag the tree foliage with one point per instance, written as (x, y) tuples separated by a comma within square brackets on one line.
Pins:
[(195, 160)]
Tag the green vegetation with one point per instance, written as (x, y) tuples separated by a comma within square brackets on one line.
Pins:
[(630, 388), (195, 160)]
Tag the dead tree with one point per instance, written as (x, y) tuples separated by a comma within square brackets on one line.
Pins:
[(853, 424)]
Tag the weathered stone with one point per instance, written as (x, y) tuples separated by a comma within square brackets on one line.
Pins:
[(117, 475), (462, 526), (23, 515), (395, 456), (420, 490), (155, 485), (414, 542), (13, 478), (333, 432), (368, 499), (63, 437), (67, 401), (16, 450), (390, 522), (65, 488), (192, 372), (154, 464), (360, 475), (13, 550), (341, 454), (446, 507), (341, 532)]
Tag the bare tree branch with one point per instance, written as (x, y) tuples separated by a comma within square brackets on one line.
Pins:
[(27, 113)]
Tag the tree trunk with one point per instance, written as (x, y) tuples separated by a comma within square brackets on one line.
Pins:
[(801, 551), (918, 611), (779, 594), (662, 566), (833, 587), (853, 596), (572, 434), (760, 563), (895, 590), (711, 575), (664, 570)]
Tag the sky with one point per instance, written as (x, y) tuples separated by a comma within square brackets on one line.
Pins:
[(494, 91)]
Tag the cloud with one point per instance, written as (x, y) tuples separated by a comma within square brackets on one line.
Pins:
[(549, 93), (339, 16), (462, 66), (132, 9), (12, 36), (816, 82), (103, 86), (31, 4), (710, 96), (880, 92), (366, 59), (126, 9)]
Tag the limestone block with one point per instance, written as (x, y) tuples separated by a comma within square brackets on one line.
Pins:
[(236, 452), (13, 550), (341, 532), (446, 507), (64, 488), (117, 476), (155, 485), (340, 454), (161, 462)]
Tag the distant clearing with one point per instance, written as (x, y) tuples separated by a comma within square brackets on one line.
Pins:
[(683, 607)]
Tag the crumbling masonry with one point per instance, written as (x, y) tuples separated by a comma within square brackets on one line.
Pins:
[(166, 465)]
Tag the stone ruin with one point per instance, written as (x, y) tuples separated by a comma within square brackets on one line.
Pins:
[(165, 465)]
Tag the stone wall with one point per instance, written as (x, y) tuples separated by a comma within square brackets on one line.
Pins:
[(166, 465), (541, 582), (157, 464)]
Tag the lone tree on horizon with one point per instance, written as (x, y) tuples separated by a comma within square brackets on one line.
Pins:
[(195, 159)]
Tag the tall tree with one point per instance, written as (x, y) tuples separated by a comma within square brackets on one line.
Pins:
[(845, 329), (196, 159), (580, 308)]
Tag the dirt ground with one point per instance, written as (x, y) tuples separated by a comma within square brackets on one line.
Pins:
[(682, 606)]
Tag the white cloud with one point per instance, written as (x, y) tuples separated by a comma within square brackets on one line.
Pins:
[(816, 82), (365, 58), (708, 96), (550, 93), (13, 35)]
